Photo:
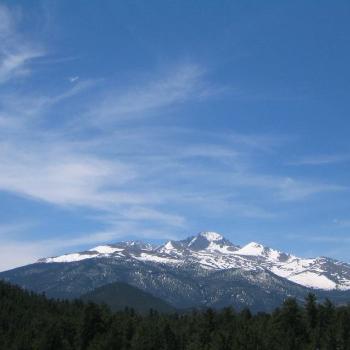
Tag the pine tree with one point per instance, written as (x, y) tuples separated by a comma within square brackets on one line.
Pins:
[(93, 324), (289, 329)]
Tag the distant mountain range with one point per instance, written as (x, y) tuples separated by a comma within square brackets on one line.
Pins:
[(202, 270)]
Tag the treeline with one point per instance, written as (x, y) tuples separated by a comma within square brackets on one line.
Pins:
[(30, 321)]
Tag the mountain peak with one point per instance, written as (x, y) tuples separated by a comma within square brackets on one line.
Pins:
[(211, 236)]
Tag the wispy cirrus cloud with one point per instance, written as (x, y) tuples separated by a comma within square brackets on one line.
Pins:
[(15, 52), (7, 230), (291, 189), (134, 167), (323, 159), (177, 85), (138, 213), (62, 177), (282, 188)]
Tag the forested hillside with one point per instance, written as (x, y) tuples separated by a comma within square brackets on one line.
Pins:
[(29, 321), (119, 295)]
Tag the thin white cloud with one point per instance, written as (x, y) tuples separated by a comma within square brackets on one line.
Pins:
[(323, 159), (219, 206), (6, 22), (62, 177), (291, 190), (13, 64), (276, 187), (182, 83), (15, 52), (145, 214), (11, 229)]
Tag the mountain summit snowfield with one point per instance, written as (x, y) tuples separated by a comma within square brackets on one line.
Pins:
[(211, 251)]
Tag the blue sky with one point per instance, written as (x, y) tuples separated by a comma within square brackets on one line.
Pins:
[(160, 119)]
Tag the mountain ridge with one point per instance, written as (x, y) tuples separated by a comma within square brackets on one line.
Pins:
[(212, 251), (205, 270)]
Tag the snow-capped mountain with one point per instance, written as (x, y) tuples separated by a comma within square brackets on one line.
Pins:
[(200, 271), (211, 251)]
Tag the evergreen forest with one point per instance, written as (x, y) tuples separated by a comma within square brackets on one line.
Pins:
[(30, 321)]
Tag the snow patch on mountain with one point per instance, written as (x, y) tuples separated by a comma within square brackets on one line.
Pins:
[(169, 246), (313, 280), (212, 236), (251, 249), (257, 249), (69, 258), (223, 249), (105, 249), (156, 258)]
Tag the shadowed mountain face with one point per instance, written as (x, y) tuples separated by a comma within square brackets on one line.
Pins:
[(119, 295), (203, 270)]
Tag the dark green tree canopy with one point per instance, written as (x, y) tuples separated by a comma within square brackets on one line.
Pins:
[(30, 322)]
